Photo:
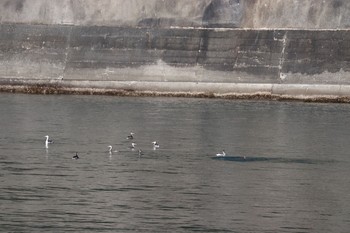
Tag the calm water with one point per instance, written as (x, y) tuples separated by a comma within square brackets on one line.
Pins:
[(295, 177)]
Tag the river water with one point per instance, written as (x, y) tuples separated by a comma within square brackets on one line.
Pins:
[(286, 169)]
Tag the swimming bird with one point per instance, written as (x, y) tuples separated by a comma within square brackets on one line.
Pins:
[(132, 145), (75, 156), (110, 149), (130, 137), (222, 153), (155, 145), (140, 152), (47, 141)]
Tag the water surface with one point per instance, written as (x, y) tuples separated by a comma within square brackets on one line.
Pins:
[(287, 168)]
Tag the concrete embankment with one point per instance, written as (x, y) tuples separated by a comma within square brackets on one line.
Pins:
[(182, 51)]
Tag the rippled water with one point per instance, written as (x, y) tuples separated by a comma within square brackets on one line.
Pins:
[(287, 168)]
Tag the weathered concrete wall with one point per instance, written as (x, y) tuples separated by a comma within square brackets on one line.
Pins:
[(178, 54), (179, 44), (305, 14)]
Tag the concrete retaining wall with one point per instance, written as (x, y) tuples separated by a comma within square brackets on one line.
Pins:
[(178, 45)]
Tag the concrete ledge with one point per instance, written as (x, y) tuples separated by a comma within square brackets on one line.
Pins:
[(309, 90), (315, 93)]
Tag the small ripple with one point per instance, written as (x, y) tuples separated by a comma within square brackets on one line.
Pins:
[(144, 170), (199, 228), (119, 189), (50, 175), (169, 172), (297, 228), (194, 193), (171, 208), (9, 163), (18, 169)]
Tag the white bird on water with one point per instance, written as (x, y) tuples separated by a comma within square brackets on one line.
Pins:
[(132, 145), (47, 141), (221, 154), (111, 149), (155, 145)]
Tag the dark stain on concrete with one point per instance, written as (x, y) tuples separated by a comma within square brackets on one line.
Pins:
[(16, 5), (337, 4), (223, 14)]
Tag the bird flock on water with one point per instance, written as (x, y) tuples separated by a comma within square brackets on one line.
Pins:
[(132, 147), (110, 147)]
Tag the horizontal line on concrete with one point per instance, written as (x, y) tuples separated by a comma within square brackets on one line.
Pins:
[(218, 29)]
